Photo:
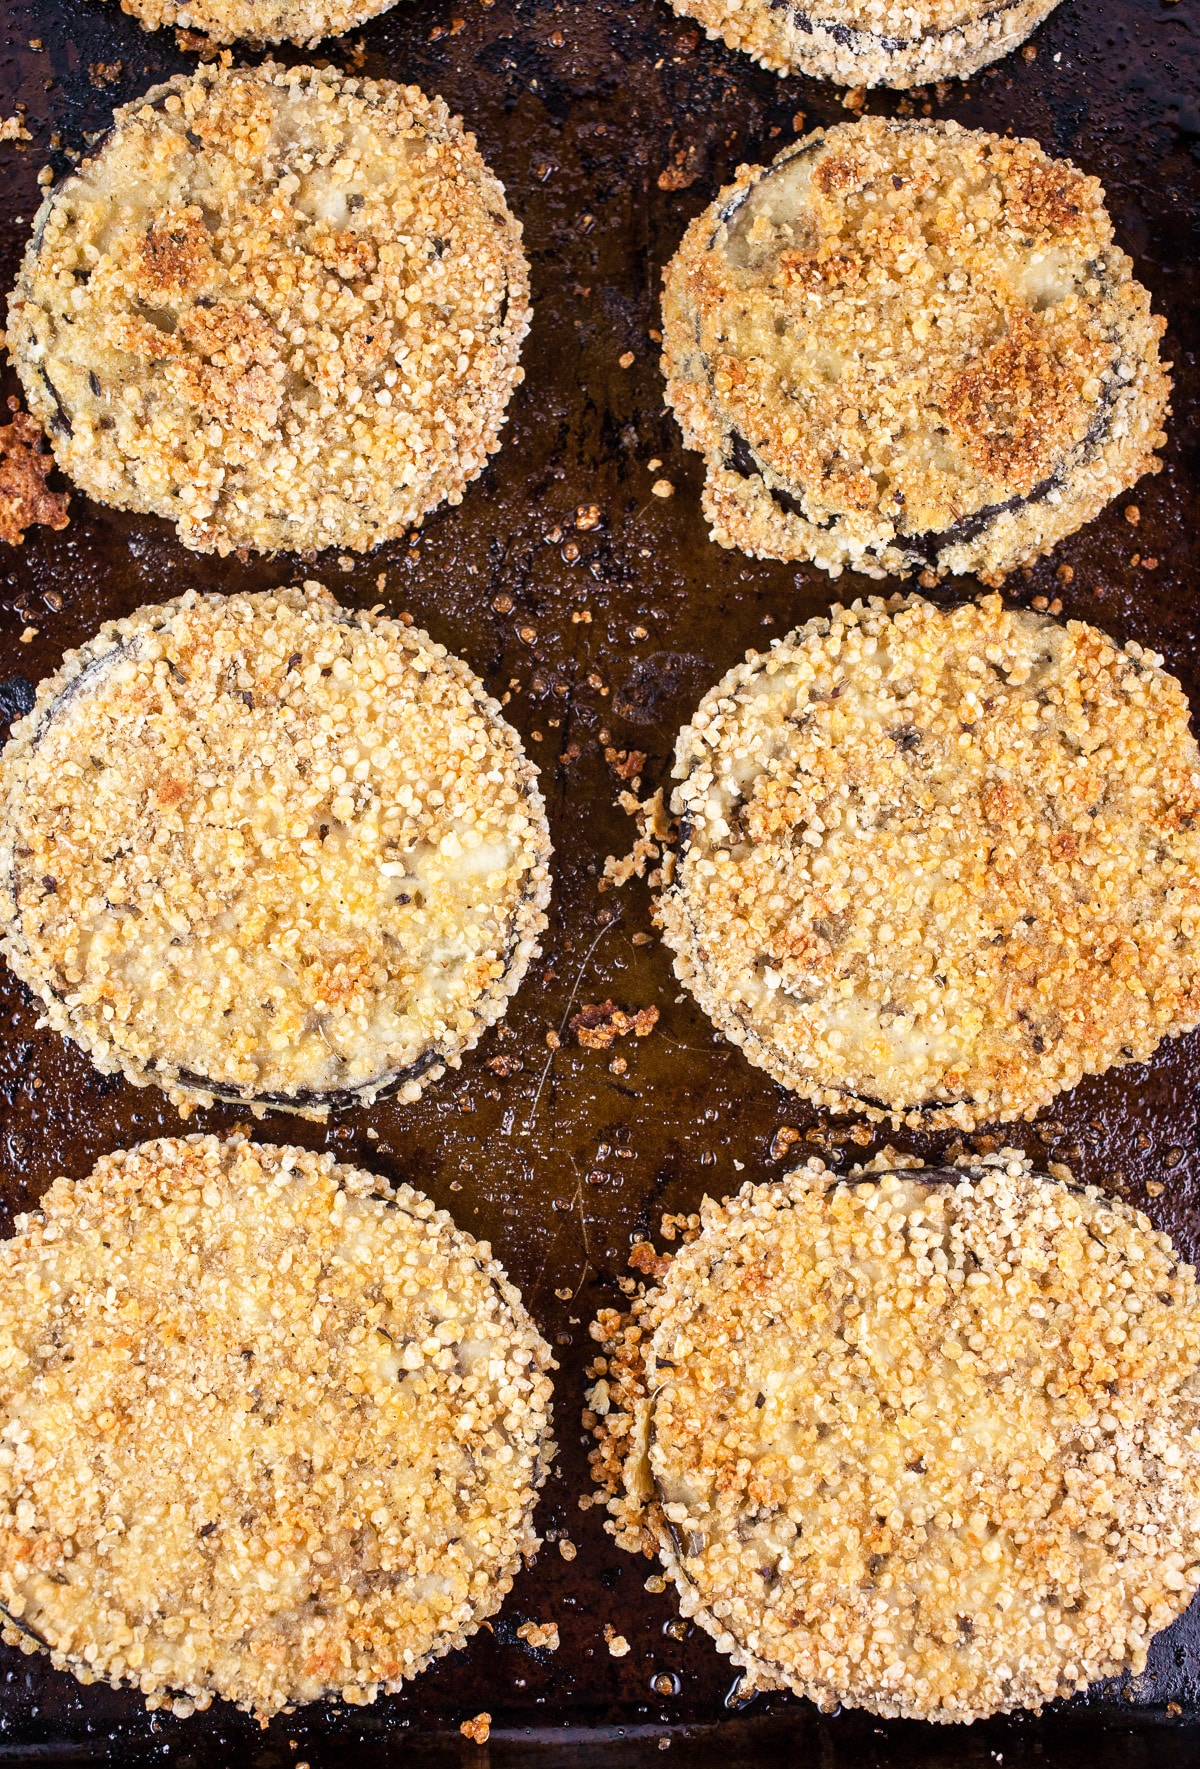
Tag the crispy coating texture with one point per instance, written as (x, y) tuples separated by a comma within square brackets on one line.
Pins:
[(908, 345), (264, 847), (926, 1443), (940, 864), (271, 1429), (258, 21), (871, 42), (281, 307), (25, 499)]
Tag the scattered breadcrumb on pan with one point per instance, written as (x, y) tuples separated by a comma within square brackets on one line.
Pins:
[(25, 464), (599, 1024), (654, 832), (539, 1636)]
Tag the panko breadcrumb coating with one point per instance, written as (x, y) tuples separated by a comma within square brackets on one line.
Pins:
[(909, 346), (269, 849), (940, 864), (270, 1429), (869, 43), (281, 307), (926, 1443), (305, 22)]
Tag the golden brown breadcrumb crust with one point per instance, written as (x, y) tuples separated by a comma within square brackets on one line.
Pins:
[(270, 1429), (908, 345), (869, 43), (305, 22), (268, 848), (924, 1442), (281, 307), (940, 864)]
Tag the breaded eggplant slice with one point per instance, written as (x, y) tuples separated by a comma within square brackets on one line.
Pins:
[(926, 1442), (271, 1429), (910, 346), (940, 864), (858, 44), (281, 307), (305, 22), (270, 850)]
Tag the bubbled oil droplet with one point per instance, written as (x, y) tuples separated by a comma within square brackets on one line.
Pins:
[(677, 1628), (665, 1683)]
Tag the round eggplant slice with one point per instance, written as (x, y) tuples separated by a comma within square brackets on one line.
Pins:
[(271, 1429), (908, 346), (282, 308), (264, 849), (940, 864), (925, 1442)]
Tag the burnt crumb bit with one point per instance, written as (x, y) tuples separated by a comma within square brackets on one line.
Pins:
[(643, 1258), (370, 1395), (598, 1025), (25, 499), (812, 1335), (895, 928)]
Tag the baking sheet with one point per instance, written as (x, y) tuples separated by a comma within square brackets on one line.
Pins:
[(612, 123)]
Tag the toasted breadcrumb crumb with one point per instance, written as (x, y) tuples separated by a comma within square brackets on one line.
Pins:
[(541, 1636), (598, 1024), (25, 500)]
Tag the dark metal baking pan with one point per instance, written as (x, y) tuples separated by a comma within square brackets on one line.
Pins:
[(612, 123)]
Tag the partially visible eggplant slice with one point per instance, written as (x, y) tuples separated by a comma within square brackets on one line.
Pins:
[(896, 45)]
